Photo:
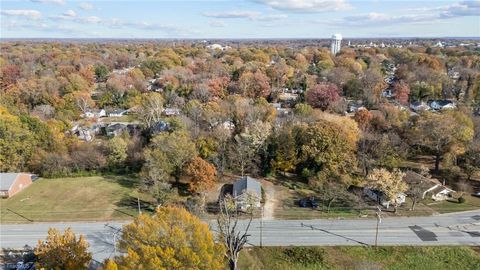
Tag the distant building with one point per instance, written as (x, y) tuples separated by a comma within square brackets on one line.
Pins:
[(12, 183), (439, 45), (442, 104), (94, 114), (215, 46), (336, 44), (171, 111), (117, 113), (419, 106)]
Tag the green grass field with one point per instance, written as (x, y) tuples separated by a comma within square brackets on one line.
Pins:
[(70, 199), (471, 203), (394, 258)]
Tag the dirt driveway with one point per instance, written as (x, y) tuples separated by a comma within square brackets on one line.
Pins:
[(270, 200)]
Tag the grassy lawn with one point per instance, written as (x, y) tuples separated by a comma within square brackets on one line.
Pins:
[(471, 203), (70, 199), (395, 258)]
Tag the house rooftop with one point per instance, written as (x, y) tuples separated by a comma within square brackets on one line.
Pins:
[(7, 179), (246, 183), (412, 177)]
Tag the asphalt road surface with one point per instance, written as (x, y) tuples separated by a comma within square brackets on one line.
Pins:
[(448, 229)]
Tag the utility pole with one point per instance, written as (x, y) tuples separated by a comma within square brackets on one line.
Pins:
[(261, 227), (379, 220), (115, 232)]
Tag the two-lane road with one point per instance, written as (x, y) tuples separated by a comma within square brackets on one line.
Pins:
[(449, 229)]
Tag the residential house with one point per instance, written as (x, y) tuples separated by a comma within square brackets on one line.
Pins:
[(228, 124), (379, 197), (94, 114), (214, 47), (442, 104), (428, 186), (354, 106), (159, 127), (12, 183), (276, 105), (418, 106), (85, 134), (388, 93), (287, 97), (171, 111), (439, 193), (116, 129), (247, 192), (117, 112)]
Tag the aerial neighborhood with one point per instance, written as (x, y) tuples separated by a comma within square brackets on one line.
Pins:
[(187, 152)]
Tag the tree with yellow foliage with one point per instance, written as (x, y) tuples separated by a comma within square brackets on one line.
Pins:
[(170, 239), (62, 251), (390, 183)]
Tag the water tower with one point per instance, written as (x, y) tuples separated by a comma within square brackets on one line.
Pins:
[(336, 44)]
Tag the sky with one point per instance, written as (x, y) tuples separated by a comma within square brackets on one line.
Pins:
[(238, 18)]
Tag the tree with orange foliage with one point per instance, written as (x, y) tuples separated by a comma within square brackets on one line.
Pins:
[(202, 174), (363, 118), (218, 86), (254, 84), (402, 92)]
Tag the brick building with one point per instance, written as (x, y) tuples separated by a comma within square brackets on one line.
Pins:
[(11, 183)]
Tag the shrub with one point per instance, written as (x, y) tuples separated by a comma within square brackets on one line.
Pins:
[(304, 255), (461, 200)]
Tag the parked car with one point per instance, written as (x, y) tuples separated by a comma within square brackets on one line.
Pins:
[(308, 202), (476, 194)]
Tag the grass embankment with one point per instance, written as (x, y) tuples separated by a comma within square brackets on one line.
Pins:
[(395, 258), (73, 199)]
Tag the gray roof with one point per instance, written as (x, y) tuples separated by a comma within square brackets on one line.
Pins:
[(7, 179), (245, 184)]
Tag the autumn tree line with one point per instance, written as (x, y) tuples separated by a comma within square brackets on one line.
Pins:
[(227, 123)]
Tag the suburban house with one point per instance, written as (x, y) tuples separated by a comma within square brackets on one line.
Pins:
[(85, 134), (442, 104), (117, 113), (171, 111), (94, 114), (428, 186), (247, 192), (378, 196), (12, 183), (388, 93), (419, 106), (159, 127), (354, 106), (115, 129)]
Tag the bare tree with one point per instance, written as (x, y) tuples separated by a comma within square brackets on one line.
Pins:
[(151, 108), (232, 237)]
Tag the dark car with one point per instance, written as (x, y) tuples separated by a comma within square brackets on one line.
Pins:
[(308, 202), (477, 194)]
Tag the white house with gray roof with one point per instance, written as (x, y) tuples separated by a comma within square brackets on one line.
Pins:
[(247, 192)]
